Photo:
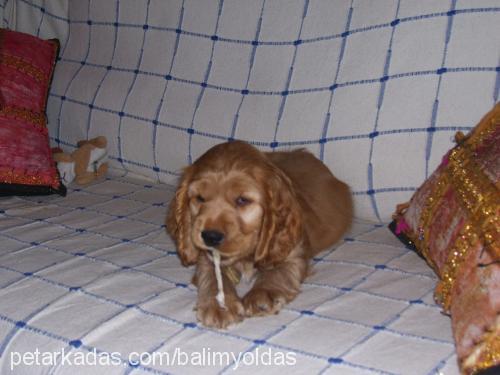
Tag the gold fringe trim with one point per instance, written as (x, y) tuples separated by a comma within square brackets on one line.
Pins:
[(422, 237), (24, 67), (12, 177), (485, 354), (478, 195), (466, 239), (24, 114), (483, 130)]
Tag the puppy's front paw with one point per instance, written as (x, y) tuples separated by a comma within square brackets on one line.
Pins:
[(210, 314), (262, 301)]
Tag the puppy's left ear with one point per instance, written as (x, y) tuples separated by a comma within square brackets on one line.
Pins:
[(179, 221), (282, 227)]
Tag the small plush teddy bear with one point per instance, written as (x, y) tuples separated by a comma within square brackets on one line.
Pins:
[(85, 164)]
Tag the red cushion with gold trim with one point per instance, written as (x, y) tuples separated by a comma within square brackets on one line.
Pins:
[(26, 68), (453, 221)]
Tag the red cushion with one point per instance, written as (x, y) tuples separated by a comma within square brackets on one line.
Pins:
[(26, 68)]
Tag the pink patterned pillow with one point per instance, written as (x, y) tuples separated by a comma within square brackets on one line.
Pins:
[(453, 221), (26, 68)]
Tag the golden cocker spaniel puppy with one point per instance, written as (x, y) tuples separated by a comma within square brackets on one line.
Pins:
[(267, 214)]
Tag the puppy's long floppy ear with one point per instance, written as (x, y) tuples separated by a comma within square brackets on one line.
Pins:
[(282, 224), (179, 221)]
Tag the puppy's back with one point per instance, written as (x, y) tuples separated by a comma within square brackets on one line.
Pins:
[(325, 200)]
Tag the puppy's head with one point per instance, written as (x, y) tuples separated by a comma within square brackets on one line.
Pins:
[(235, 200)]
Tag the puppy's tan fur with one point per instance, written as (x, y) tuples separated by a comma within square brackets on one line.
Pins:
[(275, 211)]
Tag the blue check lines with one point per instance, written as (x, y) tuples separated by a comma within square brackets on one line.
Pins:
[(285, 92), (106, 73), (375, 132), (163, 103), (164, 284), (203, 84), (470, 69), (73, 77), (334, 86), (268, 42), (245, 91), (125, 229), (42, 18), (131, 86), (442, 70)]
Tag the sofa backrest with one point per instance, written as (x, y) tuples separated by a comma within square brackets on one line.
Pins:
[(376, 89)]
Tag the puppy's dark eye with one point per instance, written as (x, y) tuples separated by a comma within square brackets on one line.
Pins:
[(200, 199), (242, 201)]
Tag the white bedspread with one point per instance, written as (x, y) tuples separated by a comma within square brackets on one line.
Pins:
[(90, 282)]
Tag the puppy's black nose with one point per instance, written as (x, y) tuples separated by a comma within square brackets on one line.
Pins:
[(212, 237)]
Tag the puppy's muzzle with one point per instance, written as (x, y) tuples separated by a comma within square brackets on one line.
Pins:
[(212, 238)]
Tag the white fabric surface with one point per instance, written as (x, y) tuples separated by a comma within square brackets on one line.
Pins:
[(376, 89), (96, 272)]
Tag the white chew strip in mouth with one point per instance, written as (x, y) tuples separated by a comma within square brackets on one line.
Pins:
[(218, 275)]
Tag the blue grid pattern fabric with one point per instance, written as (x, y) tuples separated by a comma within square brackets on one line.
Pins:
[(374, 89), (96, 273)]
